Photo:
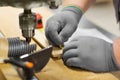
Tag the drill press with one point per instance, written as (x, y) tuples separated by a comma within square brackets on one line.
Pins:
[(27, 19)]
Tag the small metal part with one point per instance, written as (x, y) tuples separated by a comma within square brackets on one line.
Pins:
[(53, 5), (40, 58), (28, 39)]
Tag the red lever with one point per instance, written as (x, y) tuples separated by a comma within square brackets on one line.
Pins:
[(39, 21)]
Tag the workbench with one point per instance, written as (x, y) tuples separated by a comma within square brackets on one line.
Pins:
[(55, 69)]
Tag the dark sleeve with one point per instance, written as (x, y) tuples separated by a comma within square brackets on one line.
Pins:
[(116, 4)]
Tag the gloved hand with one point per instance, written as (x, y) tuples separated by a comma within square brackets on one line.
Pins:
[(62, 25), (90, 53)]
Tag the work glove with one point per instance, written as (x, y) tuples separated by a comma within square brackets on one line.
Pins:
[(62, 25), (90, 53)]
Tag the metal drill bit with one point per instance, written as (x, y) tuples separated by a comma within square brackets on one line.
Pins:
[(28, 40)]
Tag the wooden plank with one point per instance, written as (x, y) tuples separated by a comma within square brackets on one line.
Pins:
[(79, 74), (53, 72), (2, 77), (8, 72), (116, 74)]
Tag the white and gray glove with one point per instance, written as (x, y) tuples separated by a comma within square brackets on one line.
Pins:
[(90, 53), (62, 25)]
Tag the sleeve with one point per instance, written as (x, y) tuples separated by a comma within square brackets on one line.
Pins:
[(116, 4)]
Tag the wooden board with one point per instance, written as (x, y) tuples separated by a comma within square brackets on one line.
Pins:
[(8, 72)]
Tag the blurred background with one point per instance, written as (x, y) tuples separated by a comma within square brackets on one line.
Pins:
[(103, 15)]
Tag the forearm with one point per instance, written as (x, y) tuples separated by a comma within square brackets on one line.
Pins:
[(116, 48), (83, 4)]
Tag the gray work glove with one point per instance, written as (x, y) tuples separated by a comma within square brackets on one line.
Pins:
[(62, 25), (90, 53)]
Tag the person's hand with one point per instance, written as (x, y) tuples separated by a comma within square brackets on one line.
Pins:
[(90, 53), (62, 25)]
